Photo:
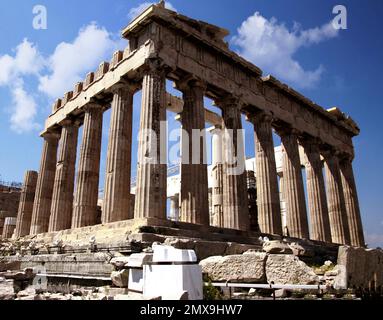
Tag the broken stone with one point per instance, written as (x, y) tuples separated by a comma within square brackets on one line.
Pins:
[(276, 247), (6, 289), (235, 268), (288, 269), (120, 278), (301, 251)]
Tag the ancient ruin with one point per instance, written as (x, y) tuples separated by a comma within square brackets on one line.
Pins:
[(58, 215)]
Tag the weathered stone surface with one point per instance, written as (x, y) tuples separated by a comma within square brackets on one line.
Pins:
[(236, 268), (300, 250), (288, 269), (6, 289), (119, 262), (276, 246), (360, 267), (120, 278)]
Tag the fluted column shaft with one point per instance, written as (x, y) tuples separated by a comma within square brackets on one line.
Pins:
[(352, 203), (150, 198), (116, 204), (235, 198), (335, 199), (194, 183), (24, 216), (297, 224), (86, 196), (174, 207), (268, 203), (316, 193), (217, 178), (62, 200), (44, 187)]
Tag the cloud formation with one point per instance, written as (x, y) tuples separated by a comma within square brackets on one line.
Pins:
[(54, 74), (271, 46), (26, 61), (134, 12), (70, 61)]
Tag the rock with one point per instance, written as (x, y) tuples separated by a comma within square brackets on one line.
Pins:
[(281, 293), (235, 268), (300, 250), (328, 263), (120, 278), (119, 262), (252, 292), (277, 247), (29, 291), (288, 269), (331, 273), (7, 291)]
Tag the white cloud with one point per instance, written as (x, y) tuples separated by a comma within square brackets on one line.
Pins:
[(271, 46), (70, 61), (134, 12), (27, 61), (24, 109)]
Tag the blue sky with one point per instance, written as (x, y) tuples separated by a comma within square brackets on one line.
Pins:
[(332, 68)]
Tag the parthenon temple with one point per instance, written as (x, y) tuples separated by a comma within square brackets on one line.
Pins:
[(303, 189)]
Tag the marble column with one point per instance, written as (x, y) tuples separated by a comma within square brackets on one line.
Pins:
[(174, 207), (86, 196), (116, 204), (194, 180), (27, 196), (283, 205), (44, 188), (235, 198), (9, 227), (335, 200), (294, 196), (268, 203), (150, 201), (352, 203), (62, 200), (316, 192), (217, 177)]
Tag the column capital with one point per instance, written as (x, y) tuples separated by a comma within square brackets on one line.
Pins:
[(229, 100), (287, 131), (69, 122), (92, 106), (125, 86), (190, 81), (155, 66), (259, 116), (329, 152), (50, 135)]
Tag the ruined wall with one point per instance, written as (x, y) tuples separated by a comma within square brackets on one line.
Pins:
[(362, 268), (9, 199)]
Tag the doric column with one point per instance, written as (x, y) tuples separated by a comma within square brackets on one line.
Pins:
[(352, 203), (150, 198), (194, 183), (9, 227), (116, 204), (217, 177), (335, 199), (174, 207), (86, 196), (24, 216), (294, 196), (235, 201), (268, 203), (316, 192), (283, 205), (44, 187), (62, 200)]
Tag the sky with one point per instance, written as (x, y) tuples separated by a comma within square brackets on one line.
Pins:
[(291, 39)]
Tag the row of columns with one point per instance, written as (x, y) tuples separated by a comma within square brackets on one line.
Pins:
[(55, 208)]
